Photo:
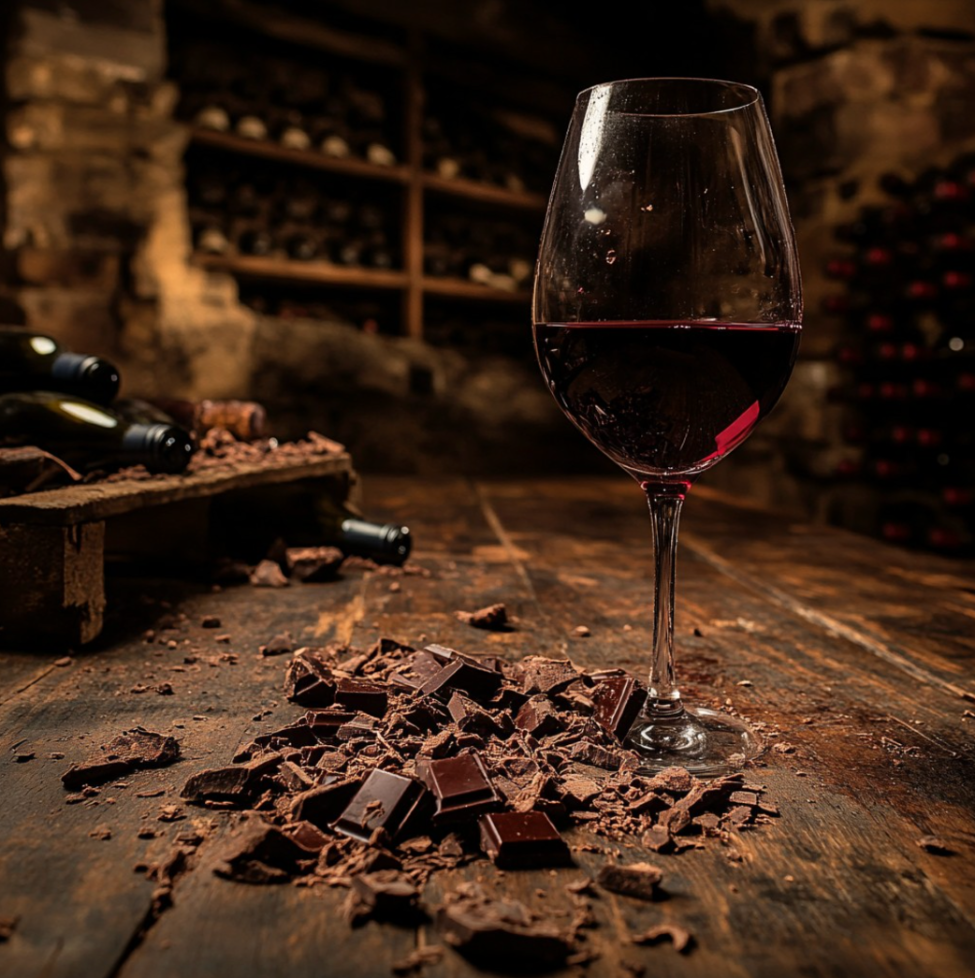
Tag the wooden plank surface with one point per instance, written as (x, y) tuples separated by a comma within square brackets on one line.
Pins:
[(97, 501), (880, 747)]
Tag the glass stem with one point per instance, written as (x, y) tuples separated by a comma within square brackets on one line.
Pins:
[(666, 508)]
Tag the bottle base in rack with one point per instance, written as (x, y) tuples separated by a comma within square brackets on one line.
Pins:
[(703, 741)]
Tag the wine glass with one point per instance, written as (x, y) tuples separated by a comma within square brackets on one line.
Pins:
[(667, 314)]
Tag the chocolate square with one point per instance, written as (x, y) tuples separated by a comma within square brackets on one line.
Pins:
[(518, 840), (386, 802)]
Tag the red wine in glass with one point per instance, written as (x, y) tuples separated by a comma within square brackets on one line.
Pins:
[(665, 400), (667, 304)]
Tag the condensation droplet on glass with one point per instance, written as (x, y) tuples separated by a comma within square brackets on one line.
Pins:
[(594, 215), (610, 257)]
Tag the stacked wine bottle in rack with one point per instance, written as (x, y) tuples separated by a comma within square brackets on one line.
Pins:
[(907, 355)]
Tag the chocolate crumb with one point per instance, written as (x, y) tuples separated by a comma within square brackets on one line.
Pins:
[(268, 574), (492, 617), (933, 844), (639, 880), (680, 937)]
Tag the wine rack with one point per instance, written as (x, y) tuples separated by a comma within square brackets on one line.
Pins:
[(907, 355), (378, 124)]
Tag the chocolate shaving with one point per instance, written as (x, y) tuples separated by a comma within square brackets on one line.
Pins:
[(130, 751)]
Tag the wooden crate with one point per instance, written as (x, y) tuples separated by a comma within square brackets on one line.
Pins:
[(52, 543)]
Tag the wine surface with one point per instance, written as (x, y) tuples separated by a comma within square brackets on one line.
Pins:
[(666, 400)]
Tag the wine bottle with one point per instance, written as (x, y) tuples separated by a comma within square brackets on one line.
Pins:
[(250, 520), (245, 420), (88, 436), (30, 360)]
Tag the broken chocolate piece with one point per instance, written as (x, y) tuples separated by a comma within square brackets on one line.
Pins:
[(521, 840), (307, 836), (324, 804), (259, 853), (268, 574), (499, 931), (359, 695), (313, 564), (463, 674), (538, 717), (593, 754), (239, 783), (549, 676), (386, 895), (278, 645), (417, 671), (639, 880), (131, 750), (492, 617), (326, 723), (468, 716), (461, 787), (385, 802), (309, 680), (617, 703)]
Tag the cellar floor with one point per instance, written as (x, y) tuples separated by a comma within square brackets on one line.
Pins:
[(854, 658)]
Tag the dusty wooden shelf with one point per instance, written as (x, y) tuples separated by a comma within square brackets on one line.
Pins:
[(460, 289), (308, 32), (268, 150), (52, 543), (487, 193), (284, 269)]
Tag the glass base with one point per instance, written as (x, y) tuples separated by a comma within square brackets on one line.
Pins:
[(703, 741)]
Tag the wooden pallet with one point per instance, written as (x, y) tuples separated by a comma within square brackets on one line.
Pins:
[(53, 543)]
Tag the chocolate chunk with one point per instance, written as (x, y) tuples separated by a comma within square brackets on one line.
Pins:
[(649, 802), (361, 727), (386, 895), (617, 703), (210, 622), (675, 820), (593, 754), (492, 617), (307, 836), (739, 816), (259, 853), (744, 799), (461, 787), (549, 676), (639, 880), (294, 736), (294, 777), (657, 838), (239, 783), (326, 723), (579, 791), (503, 932), (278, 645), (416, 671), (359, 695), (710, 796), (309, 680), (313, 563), (131, 750), (523, 840), (708, 822), (385, 802), (675, 780), (323, 805), (468, 716), (463, 674), (680, 938), (538, 717), (268, 574)]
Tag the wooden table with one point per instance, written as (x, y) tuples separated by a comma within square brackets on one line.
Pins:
[(855, 658)]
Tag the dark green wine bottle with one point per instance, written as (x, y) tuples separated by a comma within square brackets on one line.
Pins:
[(89, 436), (30, 360)]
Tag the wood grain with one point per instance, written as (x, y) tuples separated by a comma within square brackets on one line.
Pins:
[(874, 750)]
